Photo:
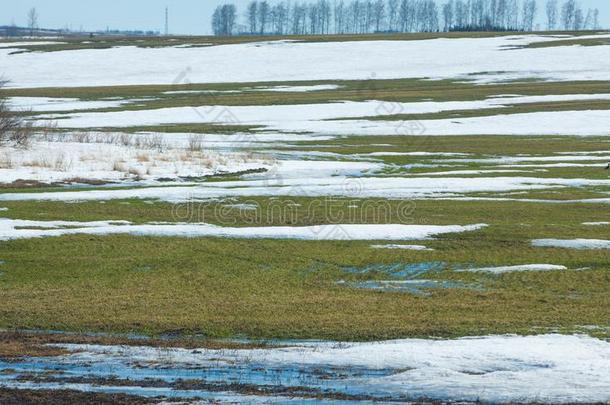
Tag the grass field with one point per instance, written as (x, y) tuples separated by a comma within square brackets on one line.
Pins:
[(256, 288), (222, 288), (434, 231)]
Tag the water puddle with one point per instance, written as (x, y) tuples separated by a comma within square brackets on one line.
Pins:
[(399, 270), (403, 277), (217, 379)]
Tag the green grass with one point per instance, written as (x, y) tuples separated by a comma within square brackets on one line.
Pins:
[(286, 289), (225, 288), (394, 90), (593, 105), (104, 42), (570, 42), (303, 211), (478, 145)]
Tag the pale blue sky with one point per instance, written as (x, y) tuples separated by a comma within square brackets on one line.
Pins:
[(186, 16)]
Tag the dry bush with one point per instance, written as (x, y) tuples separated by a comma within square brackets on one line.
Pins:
[(195, 143), (13, 128)]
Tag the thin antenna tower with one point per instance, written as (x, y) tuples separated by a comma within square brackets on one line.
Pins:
[(166, 21)]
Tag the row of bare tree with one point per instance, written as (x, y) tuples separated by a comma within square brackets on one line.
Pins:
[(368, 16)]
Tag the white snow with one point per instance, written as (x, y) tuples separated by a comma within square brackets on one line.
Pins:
[(529, 158), (417, 154), (595, 223), (581, 123), (401, 247), (27, 43), (243, 207), (314, 117), (295, 89), (510, 269), (38, 104), (483, 59), (467, 172), (489, 369), (25, 229), (362, 187), (61, 161), (268, 115), (581, 244)]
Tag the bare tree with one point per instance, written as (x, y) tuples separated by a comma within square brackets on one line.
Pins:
[(588, 24), (263, 16), (32, 20), (568, 14), (252, 16), (551, 14), (578, 19), (513, 13), (13, 128), (596, 19), (529, 15), (393, 15), (378, 15), (448, 15), (319, 17), (502, 14), (279, 14), (339, 17), (224, 19)]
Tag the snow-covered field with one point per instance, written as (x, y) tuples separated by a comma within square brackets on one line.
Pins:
[(341, 186), (488, 369), (274, 115), (19, 229), (483, 59), (127, 158), (321, 150), (573, 243), (47, 162)]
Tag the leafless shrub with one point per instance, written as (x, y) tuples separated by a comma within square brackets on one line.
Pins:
[(61, 163), (195, 143), (13, 128), (6, 161), (82, 137), (48, 129), (156, 142), (125, 139)]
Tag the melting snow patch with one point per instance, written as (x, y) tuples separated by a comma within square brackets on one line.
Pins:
[(490, 369), (415, 287), (119, 158), (22, 229), (573, 243), (60, 104), (510, 269), (595, 223), (315, 186), (243, 207), (295, 89), (399, 247)]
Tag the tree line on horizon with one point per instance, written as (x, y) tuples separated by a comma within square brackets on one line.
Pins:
[(323, 17)]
